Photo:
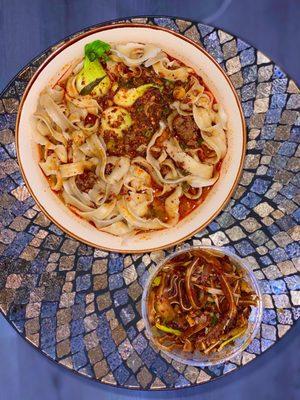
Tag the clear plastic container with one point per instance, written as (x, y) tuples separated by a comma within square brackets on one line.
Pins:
[(197, 358)]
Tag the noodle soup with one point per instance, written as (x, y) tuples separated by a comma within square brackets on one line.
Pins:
[(131, 139)]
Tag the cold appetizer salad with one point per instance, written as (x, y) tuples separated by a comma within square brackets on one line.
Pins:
[(199, 301)]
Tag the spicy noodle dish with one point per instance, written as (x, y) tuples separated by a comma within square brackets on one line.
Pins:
[(130, 138), (199, 301)]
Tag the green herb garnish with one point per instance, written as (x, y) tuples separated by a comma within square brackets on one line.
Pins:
[(183, 145), (169, 83), (96, 49), (200, 141), (214, 319), (165, 111), (147, 133)]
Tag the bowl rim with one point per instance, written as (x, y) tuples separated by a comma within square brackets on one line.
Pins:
[(62, 47), (254, 283)]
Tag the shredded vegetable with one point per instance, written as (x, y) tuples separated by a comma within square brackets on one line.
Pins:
[(156, 281), (242, 331), (167, 329)]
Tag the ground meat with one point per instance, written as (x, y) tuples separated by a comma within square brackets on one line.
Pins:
[(214, 333), (90, 119), (107, 100), (146, 113), (86, 181), (140, 77), (108, 169), (154, 112), (187, 130), (148, 109), (164, 170)]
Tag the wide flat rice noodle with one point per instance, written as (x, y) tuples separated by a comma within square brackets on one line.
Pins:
[(54, 112), (51, 165), (121, 167), (172, 206), (215, 139), (118, 228), (72, 195), (178, 74), (100, 213), (136, 221), (186, 162), (134, 54), (75, 168)]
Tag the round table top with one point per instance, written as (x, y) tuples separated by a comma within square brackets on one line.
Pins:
[(81, 306)]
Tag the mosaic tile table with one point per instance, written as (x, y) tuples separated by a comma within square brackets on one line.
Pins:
[(81, 306)]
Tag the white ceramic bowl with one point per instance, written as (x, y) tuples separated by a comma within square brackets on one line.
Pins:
[(229, 352), (191, 54)]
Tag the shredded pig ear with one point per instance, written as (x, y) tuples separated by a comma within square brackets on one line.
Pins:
[(183, 303)]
